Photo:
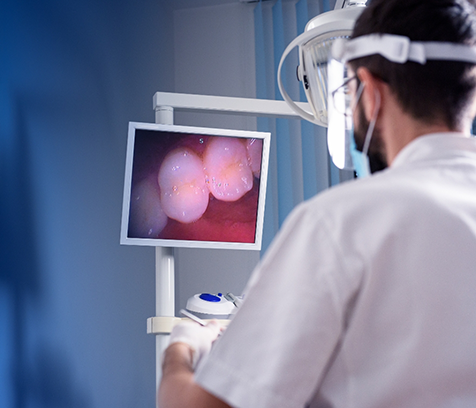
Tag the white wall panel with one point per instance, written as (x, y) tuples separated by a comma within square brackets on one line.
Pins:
[(214, 55)]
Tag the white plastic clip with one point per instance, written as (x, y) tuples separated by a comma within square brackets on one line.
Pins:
[(395, 48)]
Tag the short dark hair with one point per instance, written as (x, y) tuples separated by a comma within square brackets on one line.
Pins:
[(438, 91)]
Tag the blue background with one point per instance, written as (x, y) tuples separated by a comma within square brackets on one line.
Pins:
[(73, 302)]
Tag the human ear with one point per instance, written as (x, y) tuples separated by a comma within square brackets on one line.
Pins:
[(372, 92)]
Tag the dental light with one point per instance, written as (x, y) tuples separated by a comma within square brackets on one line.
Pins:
[(314, 47)]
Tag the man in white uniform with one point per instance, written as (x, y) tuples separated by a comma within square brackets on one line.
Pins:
[(367, 297)]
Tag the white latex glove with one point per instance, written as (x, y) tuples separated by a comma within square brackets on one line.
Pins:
[(198, 338)]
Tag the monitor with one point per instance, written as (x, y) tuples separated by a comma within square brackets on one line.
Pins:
[(194, 187)]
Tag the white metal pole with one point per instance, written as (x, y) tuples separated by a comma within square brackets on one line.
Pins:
[(164, 115), (164, 270), (226, 104), (165, 299)]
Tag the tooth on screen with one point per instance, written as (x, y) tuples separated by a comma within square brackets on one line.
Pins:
[(228, 174), (254, 148), (184, 194), (147, 219)]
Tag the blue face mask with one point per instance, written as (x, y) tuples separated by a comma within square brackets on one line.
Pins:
[(359, 160)]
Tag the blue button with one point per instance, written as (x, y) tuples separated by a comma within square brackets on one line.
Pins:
[(209, 297)]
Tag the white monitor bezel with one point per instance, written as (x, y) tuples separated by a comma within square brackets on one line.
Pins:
[(133, 126)]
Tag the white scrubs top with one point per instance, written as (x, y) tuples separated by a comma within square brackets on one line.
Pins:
[(367, 297)]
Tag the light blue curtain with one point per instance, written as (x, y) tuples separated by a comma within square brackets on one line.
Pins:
[(299, 162)]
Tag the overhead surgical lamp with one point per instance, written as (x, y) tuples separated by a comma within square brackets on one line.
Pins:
[(314, 47)]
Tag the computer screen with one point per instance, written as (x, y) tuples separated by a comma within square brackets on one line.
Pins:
[(194, 187)]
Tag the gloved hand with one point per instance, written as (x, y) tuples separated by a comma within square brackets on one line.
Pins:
[(198, 338)]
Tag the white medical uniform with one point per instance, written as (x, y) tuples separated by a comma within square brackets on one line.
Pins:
[(367, 297)]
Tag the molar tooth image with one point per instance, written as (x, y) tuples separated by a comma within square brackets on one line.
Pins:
[(183, 192), (228, 174)]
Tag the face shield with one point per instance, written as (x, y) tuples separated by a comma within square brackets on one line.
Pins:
[(345, 91)]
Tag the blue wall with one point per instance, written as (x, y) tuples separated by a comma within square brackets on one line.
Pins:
[(73, 302)]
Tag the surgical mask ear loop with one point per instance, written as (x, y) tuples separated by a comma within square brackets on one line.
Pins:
[(357, 96), (370, 130)]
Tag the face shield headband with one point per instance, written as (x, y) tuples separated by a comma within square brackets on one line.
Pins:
[(344, 92)]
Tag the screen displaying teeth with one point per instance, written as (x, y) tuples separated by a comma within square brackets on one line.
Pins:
[(195, 187)]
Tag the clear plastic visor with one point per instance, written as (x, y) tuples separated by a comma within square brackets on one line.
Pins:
[(344, 92), (314, 61)]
